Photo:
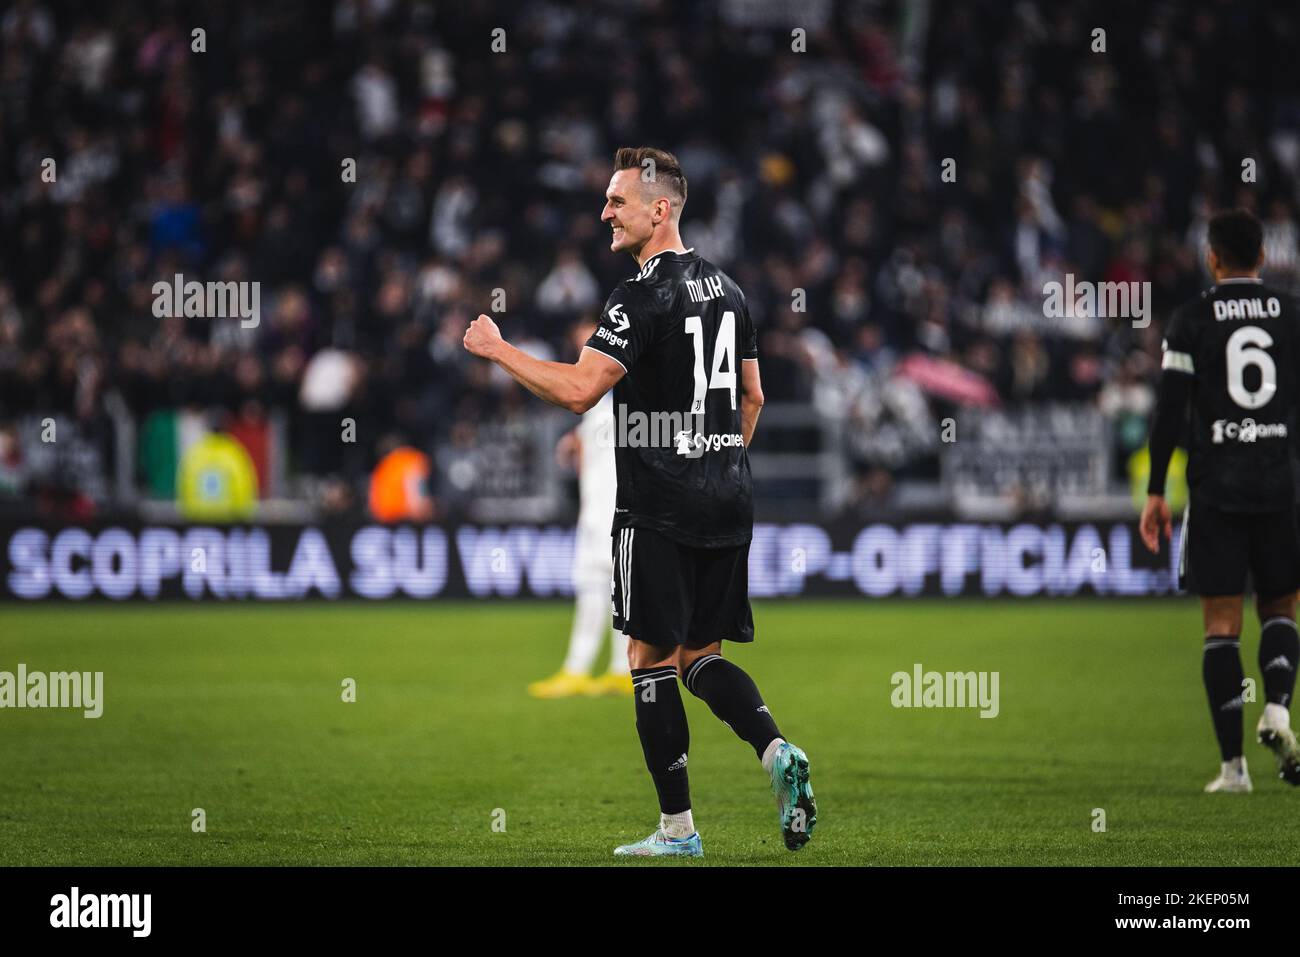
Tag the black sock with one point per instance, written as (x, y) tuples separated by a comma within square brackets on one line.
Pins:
[(1279, 650), (665, 738), (1221, 669), (733, 697)]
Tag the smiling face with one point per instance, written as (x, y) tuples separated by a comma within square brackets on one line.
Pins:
[(633, 211)]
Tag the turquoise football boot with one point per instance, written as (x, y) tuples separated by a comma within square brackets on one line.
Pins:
[(660, 844), (794, 795)]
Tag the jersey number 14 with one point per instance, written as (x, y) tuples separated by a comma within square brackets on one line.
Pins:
[(724, 353)]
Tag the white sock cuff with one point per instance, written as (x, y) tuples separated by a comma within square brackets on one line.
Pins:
[(677, 826), (769, 755), (1278, 621), (1279, 712)]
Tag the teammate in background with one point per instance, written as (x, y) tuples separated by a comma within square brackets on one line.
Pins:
[(676, 344), (591, 445), (1233, 353)]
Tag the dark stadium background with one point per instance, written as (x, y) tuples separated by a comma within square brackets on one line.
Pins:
[(891, 303), (480, 171)]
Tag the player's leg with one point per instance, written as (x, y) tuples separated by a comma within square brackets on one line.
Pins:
[(1217, 560), (662, 728), (731, 693), (1279, 649), (1275, 563), (617, 679), (590, 618), (1223, 675), (665, 741), (592, 572), (732, 696), (646, 594)]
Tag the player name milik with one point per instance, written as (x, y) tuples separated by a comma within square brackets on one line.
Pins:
[(702, 290)]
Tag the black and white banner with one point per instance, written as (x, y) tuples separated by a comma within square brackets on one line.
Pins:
[(291, 562)]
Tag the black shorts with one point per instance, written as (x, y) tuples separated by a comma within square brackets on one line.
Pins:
[(669, 594), (1218, 548)]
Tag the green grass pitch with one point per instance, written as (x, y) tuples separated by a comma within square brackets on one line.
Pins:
[(238, 710)]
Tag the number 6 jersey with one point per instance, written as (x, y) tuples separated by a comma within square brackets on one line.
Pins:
[(680, 328), (1238, 342)]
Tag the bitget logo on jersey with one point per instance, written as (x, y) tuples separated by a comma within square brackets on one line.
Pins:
[(613, 340)]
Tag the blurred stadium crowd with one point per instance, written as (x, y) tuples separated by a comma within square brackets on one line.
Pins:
[(812, 172)]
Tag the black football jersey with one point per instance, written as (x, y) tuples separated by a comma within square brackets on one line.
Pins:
[(680, 328), (1238, 340)]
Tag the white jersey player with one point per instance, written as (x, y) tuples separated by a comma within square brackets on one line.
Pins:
[(593, 565)]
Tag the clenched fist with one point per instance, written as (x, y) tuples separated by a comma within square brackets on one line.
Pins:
[(482, 337)]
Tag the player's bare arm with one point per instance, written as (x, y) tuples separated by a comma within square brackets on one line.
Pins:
[(751, 398), (575, 386), (1174, 394)]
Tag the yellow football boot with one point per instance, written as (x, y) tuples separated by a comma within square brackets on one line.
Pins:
[(610, 683), (562, 684)]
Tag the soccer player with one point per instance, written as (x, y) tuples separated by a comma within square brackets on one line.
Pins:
[(1233, 354), (676, 344), (593, 566)]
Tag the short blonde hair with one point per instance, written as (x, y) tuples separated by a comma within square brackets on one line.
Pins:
[(667, 172)]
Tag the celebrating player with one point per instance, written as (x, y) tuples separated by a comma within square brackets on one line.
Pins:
[(1233, 353), (668, 343)]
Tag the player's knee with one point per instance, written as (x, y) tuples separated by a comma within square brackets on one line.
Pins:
[(688, 656), (1217, 626), (683, 663), (1222, 616), (640, 654), (1283, 606)]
